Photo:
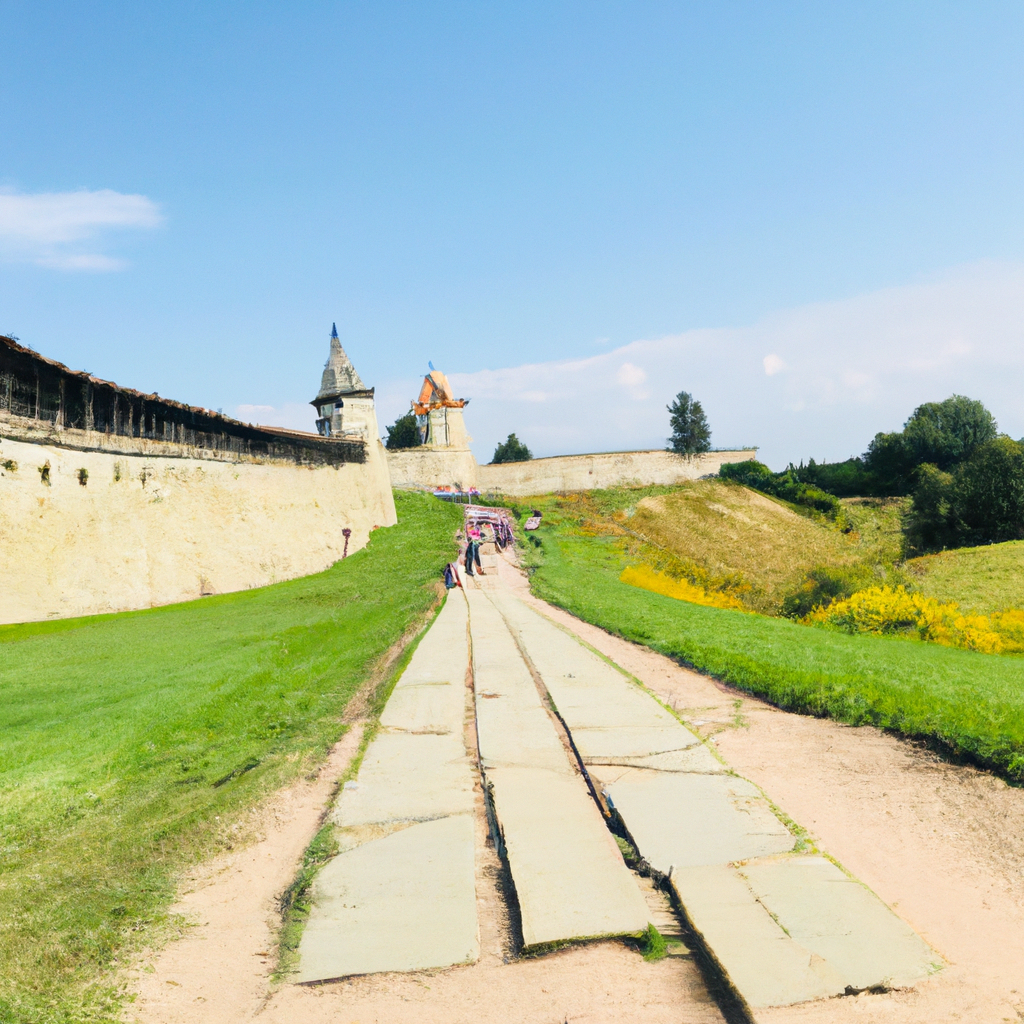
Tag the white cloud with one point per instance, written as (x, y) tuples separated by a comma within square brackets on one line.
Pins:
[(632, 378), (57, 229), (853, 367), (773, 364)]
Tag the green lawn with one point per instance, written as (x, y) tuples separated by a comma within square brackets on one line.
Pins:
[(132, 743), (971, 704)]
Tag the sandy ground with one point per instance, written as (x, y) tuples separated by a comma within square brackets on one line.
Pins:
[(943, 845)]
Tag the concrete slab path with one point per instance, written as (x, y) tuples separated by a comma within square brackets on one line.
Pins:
[(570, 878), (402, 894), (783, 929), (404, 902)]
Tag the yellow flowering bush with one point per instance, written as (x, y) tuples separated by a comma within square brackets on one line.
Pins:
[(681, 589), (893, 611)]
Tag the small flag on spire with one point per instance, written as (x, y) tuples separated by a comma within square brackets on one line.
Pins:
[(334, 330), (430, 364)]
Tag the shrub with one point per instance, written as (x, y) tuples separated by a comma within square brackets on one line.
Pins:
[(847, 479), (511, 450), (645, 577), (782, 485), (821, 588), (893, 611)]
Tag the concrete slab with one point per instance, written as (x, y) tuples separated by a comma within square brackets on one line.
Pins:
[(765, 965), (842, 921), (434, 706), (570, 879), (402, 903), (690, 820), (569, 875), (784, 928), (408, 777), (609, 716), (696, 759), (402, 895)]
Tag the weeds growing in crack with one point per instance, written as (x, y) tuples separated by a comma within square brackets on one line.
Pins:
[(295, 902)]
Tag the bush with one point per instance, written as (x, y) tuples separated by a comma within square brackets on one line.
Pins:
[(511, 450), (849, 479), (646, 578), (821, 588), (403, 433), (782, 485), (892, 611)]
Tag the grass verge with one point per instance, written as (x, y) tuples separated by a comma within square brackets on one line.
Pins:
[(970, 704), (134, 743)]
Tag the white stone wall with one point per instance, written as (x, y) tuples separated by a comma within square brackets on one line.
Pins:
[(428, 468), (149, 529), (608, 469)]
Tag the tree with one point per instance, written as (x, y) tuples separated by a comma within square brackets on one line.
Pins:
[(988, 493), (511, 450), (690, 431), (943, 434), (403, 433), (980, 502), (948, 433)]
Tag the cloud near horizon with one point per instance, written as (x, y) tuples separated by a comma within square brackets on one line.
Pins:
[(62, 230), (835, 374)]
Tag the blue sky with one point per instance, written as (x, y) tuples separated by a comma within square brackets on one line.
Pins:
[(191, 193)]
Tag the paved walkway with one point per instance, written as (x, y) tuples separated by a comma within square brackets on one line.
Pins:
[(555, 723)]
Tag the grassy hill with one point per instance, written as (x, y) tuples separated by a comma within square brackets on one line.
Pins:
[(981, 580), (760, 544), (728, 538), (132, 742)]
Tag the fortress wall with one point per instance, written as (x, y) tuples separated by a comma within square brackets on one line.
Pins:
[(166, 525), (428, 468), (607, 469)]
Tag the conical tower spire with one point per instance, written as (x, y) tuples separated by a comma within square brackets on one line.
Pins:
[(339, 374)]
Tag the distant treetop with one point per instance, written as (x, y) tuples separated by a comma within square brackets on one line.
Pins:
[(511, 450)]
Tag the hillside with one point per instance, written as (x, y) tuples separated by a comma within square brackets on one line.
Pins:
[(759, 547), (981, 580)]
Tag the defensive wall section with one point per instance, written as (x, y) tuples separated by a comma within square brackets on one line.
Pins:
[(111, 499), (605, 469), (432, 468), (427, 468)]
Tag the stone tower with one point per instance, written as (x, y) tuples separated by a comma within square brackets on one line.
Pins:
[(439, 414), (344, 404)]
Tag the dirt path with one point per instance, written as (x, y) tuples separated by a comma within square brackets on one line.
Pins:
[(943, 845)]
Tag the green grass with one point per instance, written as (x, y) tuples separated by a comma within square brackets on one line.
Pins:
[(970, 704), (981, 580), (134, 743)]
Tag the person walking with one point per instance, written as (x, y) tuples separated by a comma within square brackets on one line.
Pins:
[(473, 550)]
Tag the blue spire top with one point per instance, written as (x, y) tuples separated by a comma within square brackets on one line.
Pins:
[(334, 330)]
